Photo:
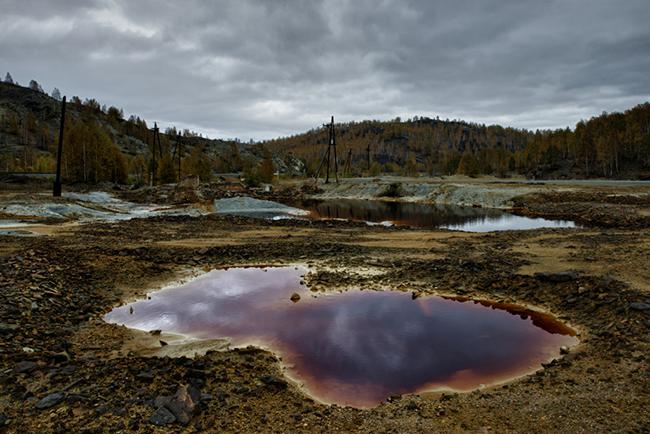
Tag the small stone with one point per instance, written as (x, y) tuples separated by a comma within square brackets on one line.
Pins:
[(274, 381), (162, 416), (28, 350), (295, 297), (25, 366), (411, 406), (7, 328), (639, 306), (154, 332), (564, 350), (50, 400), (146, 376), (163, 343)]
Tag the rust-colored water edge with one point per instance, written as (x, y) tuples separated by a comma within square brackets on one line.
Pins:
[(355, 348)]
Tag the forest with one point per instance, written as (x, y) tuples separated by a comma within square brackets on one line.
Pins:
[(101, 145), (611, 145)]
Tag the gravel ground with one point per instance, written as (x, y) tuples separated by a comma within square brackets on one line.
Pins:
[(65, 370)]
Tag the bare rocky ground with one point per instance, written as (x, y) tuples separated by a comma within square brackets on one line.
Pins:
[(64, 370)]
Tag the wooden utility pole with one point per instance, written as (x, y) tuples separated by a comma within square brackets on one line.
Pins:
[(180, 155), (327, 157), (57, 181), (178, 150), (156, 141)]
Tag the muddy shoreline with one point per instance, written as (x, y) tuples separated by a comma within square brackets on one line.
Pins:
[(65, 370)]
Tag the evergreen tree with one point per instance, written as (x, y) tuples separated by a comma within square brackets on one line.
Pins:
[(9, 79), (56, 94), (33, 85)]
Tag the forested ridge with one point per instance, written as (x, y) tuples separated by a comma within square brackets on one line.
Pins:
[(101, 145), (612, 145)]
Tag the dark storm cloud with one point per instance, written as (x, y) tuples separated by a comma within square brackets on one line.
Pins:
[(268, 68)]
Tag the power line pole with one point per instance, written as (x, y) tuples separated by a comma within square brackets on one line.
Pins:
[(331, 144), (336, 160), (156, 140), (57, 181), (180, 154)]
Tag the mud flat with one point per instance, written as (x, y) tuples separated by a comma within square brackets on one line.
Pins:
[(64, 369)]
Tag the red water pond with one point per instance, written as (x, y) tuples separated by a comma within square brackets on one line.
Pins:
[(355, 348)]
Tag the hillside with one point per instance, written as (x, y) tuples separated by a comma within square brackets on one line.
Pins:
[(615, 145), (101, 145)]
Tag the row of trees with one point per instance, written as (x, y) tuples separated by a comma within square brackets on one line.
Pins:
[(33, 85)]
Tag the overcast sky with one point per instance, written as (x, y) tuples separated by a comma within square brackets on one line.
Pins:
[(261, 69)]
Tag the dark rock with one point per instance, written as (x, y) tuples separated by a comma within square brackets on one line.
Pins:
[(146, 376), (3, 420), (412, 406), (50, 400), (162, 416), (242, 390), (103, 409), (68, 370), (161, 401), (639, 306), (183, 403), (25, 366), (273, 381), (180, 410), (564, 276), (295, 297), (6, 329)]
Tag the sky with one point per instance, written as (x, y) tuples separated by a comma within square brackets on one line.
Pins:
[(270, 68)]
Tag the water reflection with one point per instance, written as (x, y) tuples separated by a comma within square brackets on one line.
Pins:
[(359, 347), (467, 219)]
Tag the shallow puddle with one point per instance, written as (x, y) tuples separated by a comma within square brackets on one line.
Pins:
[(355, 348), (458, 218)]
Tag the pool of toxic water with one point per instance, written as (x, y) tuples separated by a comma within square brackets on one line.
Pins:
[(355, 348), (468, 219)]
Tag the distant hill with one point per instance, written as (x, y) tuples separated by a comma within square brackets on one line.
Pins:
[(611, 145), (29, 125)]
